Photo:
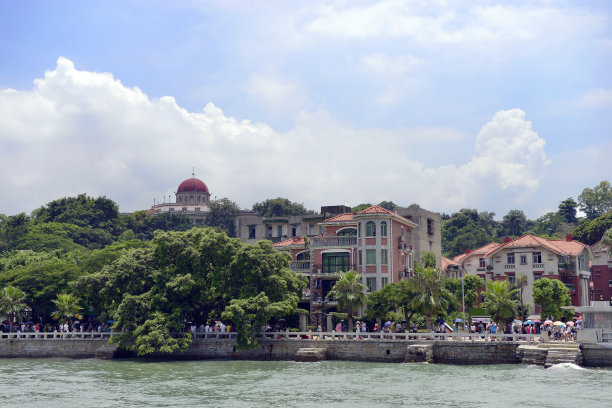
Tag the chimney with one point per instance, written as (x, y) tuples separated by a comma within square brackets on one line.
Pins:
[(507, 239), (467, 251), (569, 238)]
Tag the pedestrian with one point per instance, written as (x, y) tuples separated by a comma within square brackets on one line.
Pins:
[(339, 326)]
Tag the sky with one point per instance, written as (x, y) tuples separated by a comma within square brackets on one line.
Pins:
[(447, 104)]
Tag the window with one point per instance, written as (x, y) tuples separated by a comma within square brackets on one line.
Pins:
[(537, 257), (347, 232), (269, 231), (511, 258), (251, 231), (184, 209), (481, 262), (408, 235), (279, 230), (370, 257), (197, 208), (370, 229), (610, 283), (336, 262), (383, 282), (359, 257), (383, 229), (523, 259), (383, 256), (294, 231), (537, 276), (371, 282), (171, 209), (511, 279), (430, 226), (403, 260), (359, 230), (311, 229)]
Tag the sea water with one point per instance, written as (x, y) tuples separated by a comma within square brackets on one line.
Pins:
[(146, 383)]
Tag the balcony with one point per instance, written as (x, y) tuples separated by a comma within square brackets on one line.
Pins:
[(301, 266), (510, 266), (567, 267), (538, 266), (330, 272), (327, 242)]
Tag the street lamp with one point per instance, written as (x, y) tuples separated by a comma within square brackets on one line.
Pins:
[(462, 296)]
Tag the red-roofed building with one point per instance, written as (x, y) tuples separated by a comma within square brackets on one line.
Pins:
[(375, 242), (534, 257), (192, 198)]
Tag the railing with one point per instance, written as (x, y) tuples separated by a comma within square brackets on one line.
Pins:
[(330, 271), (341, 241), (509, 266), (301, 266), (538, 266), (309, 335), (55, 335)]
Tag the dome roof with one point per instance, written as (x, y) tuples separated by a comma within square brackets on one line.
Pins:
[(192, 184)]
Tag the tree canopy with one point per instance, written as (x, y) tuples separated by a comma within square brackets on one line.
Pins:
[(280, 207), (222, 214), (596, 201), (551, 295), (589, 232)]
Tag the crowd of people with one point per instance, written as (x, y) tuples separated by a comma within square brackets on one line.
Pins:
[(65, 327)]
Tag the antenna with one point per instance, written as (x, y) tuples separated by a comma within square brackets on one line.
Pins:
[(193, 172)]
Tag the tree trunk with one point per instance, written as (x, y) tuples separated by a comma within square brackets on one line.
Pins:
[(428, 323), (350, 322)]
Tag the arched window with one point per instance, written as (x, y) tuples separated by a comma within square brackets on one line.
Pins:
[(383, 229), (370, 229), (408, 236), (347, 232)]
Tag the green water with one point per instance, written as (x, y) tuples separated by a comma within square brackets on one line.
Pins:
[(135, 383)]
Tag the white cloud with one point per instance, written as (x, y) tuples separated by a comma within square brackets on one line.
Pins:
[(79, 131), (381, 64), (594, 98)]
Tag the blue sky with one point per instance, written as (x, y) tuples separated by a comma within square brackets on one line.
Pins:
[(480, 104)]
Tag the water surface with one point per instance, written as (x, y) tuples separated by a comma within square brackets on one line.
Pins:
[(140, 383)]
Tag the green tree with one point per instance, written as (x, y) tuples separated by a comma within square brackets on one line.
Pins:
[(360, 207), (499, 300), (84, 211), (597, 201), (521, 282), (67, 307), (567, 210), (514, 223), (392, 297), (222, 214), (589, 232), (12, 302), (551, 295), (350, 293), (428, 259), (467, 229), (144, 225), (389, 205), (280, 207), (606, 240), (548, 224), (431, 295), (471, 285), (11, 229)]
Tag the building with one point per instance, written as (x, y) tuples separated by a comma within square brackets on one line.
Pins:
[(375, 242), (192, 198), (602, 273), (451, 268), (251, 227), (534, 257)]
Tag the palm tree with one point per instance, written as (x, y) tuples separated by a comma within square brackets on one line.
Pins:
[(521, 282), (12, 302), (67, 307), (350, 293), (499, 300), (431, 293)]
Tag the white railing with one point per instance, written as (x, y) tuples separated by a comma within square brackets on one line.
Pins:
[(55, 335), (286, 335)]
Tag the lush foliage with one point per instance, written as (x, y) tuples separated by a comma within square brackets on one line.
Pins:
[(350, 293), (597, 201), (551, 295), (589, 232), (222, 214), (280, 207), (431, 295), (67, 307), (500, 300), (12, 302), (471, 285)]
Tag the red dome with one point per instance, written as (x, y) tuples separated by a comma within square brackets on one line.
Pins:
[(192, 184)]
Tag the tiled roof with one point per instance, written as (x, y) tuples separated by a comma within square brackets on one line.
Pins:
[(447, 262), (290, 242), (483, 250), (561, 247), (375, 209), (341, 217)]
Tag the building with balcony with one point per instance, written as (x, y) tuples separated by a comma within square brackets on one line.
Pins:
[(375, 242), (601, 269), (534, 257)]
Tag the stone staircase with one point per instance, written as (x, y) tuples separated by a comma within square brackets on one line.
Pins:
[(559, 353), (549, 354), (310, 354)]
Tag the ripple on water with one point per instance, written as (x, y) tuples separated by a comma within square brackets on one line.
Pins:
[(147, 383)]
